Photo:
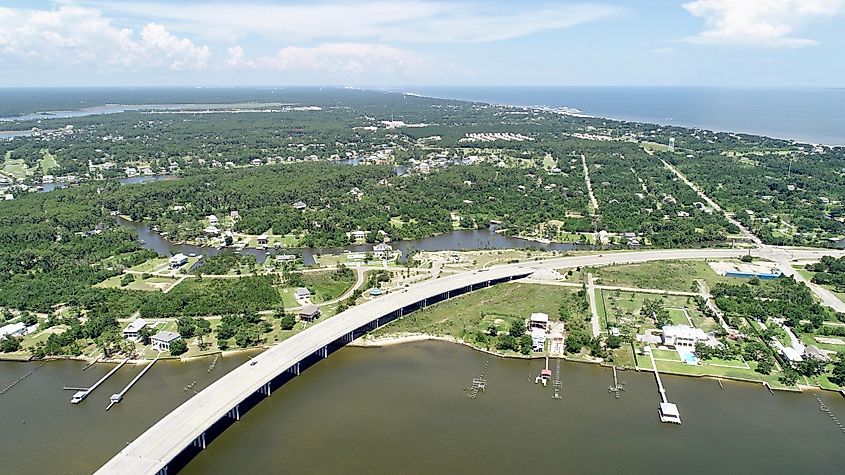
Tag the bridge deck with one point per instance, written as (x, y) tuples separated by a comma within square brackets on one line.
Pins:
[(156, 447)]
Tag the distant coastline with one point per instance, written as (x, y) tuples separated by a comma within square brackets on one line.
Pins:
[(813, 116)]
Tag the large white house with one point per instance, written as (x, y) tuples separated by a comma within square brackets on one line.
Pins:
[(382, 251), (683, 336), (161, 341)]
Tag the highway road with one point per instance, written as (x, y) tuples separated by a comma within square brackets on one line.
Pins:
[(156, 447)]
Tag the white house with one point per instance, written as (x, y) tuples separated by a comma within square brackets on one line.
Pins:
[(683, 336), (161, 341), (132, 330), (539, 321), (178, 260), (301, 293), (358, 234), (300, 205), (382, 251), (538, 339), (212, 220)]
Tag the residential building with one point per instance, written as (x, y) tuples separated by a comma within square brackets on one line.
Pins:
[(300, 205), (309, 313), (538, 339), (178, 260), (383, 251), (683, 336), (539, 321), (212, 220), (12, 329), (133, 329), (301, 293), (262, 240), (161, 341)]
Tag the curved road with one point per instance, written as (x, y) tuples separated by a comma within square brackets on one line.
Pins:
[(162, 442)]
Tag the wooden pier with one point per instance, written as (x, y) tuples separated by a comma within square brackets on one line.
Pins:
[(668, 411), (116, 398), (82, 393)]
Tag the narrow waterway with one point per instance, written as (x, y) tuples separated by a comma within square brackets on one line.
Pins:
[(403, 409), (460, 240)]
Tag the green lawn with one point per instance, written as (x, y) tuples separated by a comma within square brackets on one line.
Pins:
[(48, 161), (670, 355), (15, 167), (152, 284), (150, 265), (665, 275), (472, 312)]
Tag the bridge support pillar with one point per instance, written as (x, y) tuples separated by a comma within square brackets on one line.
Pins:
[(235, 412), (265, 389), (199, 442), (163, 471)]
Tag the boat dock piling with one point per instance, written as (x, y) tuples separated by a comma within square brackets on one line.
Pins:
[(479, 383), (213, 363), (617, 386), (115, 398), (823, 407), (15, 382), (82, 393), (558, 384)]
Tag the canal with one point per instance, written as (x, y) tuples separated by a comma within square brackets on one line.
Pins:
[(459, 240), (403, 409)]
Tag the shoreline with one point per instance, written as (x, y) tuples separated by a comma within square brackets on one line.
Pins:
[(566, 110), (393, 340), (400, 339)]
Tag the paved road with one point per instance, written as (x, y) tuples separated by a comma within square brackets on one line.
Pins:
[(153, 449), (163, 441)]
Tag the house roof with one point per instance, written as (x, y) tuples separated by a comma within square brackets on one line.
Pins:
[(136, 325), (301, 291), (539, 317), (310, 310), (166, 336)]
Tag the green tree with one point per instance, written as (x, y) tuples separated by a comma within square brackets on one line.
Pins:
[(287, 322), (10, 344), (178, 347)]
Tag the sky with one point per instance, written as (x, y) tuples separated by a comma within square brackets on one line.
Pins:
[(733, 43)]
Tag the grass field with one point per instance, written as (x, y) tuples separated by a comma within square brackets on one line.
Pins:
[(664, 275), (469, 313), (48, 161), (325, 286), (622, 309), (152, 284), (15, 167)]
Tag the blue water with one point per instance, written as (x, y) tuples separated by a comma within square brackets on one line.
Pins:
[(807, 115)]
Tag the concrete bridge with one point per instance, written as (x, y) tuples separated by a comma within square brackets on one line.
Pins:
[(173, 441)]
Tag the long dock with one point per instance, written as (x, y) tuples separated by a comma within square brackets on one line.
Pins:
[(115, 398), (82, 393), (668, 411)]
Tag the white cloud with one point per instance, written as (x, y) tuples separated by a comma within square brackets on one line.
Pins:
[(369, 21), (758, 22), (348, 59), (76, 35)]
